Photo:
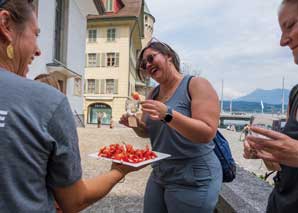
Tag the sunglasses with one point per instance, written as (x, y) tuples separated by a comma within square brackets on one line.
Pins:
[(148, 59)]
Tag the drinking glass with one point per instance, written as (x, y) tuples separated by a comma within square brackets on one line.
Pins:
[(266, 122), (131, 108)]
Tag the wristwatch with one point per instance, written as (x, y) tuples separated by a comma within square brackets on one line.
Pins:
[(169, 115)]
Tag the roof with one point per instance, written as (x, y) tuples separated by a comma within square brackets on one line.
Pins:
[(132, 8)]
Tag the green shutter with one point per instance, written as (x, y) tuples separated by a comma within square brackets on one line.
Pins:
[(96, 86), (102, 86), (115, 86), (117, 60)]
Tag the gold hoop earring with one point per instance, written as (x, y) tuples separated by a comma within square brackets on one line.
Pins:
[(10, 51)]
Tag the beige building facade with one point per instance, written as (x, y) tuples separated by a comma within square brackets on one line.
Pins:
[(113, 42)]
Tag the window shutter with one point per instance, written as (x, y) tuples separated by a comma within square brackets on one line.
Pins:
[(115, 86), (117, 33), (103, 59), (85, 86), (98, 59), (96, 86), (117, 60), (86, 60), (97, 34), (102, 86)]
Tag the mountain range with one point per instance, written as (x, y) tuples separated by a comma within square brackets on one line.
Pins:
[(273, 96), (251, 103)]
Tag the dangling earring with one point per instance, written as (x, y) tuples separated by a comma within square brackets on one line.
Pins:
[(10, 51)]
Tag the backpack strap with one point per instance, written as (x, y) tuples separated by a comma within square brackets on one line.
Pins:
[(154, 93), (188, 82)]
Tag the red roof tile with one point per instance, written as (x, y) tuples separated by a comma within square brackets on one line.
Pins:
[(132, 8)]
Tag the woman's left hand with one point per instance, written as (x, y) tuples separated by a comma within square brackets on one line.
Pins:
[(156, 109)]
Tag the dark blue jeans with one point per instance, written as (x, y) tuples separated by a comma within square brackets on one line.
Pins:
[(184, 186)]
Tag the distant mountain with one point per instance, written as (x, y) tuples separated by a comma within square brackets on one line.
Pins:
[(252, 107), (273, 96)]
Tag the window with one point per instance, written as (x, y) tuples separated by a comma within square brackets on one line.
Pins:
[(112, 59), (92, 60), (92, 35), (111, 34), (77, 87), (109, 5), (60, 30), (109, 86), (146, 18), (91, 86)]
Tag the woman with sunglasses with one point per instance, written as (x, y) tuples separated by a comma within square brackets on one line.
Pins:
[(181, 117), (40, 158)]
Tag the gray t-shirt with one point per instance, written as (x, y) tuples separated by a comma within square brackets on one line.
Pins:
[(38, 144)]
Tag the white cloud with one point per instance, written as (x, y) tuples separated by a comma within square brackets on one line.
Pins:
[(237, 41), (230, 93)]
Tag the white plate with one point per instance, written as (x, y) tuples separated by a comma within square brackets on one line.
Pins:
[(160, 156)]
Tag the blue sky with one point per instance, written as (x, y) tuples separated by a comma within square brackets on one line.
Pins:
[(233, 40)]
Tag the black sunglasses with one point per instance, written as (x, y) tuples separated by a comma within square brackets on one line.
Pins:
[(149, 58)]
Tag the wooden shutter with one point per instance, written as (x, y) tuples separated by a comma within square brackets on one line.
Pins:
[(102, 86), (115, 86)]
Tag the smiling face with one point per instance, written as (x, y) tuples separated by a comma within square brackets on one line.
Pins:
[(156, 65), (26, 47), (288, 21)]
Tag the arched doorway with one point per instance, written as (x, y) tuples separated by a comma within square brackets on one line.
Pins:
[(94, 109)]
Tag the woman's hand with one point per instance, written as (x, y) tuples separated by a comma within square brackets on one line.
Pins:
[(249, 152), (277, 147), (156, 109), (124, 169)]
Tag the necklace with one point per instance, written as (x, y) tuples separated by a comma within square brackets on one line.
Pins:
[(169, 92), (163, 98)]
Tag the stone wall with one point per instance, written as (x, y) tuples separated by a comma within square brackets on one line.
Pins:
[(247, 193)]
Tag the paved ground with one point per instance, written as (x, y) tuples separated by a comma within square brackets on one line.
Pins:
[(127, 197)]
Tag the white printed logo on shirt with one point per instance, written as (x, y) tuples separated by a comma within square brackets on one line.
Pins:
[(3, 115)]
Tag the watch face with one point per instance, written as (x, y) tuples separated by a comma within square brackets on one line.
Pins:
[(168, 117)]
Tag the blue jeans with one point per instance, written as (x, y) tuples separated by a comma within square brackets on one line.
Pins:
[(184, 186)]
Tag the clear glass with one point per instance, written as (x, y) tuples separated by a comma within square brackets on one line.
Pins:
[(132, 106), (264, 121)]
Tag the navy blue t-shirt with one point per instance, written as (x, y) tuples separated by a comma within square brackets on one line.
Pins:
[(38, 144)]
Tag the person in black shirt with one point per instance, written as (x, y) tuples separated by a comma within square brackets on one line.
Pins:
[(282, 147)]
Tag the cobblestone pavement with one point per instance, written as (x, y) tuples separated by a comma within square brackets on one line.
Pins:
[(127, 197)]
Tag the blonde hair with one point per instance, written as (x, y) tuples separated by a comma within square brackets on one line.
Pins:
[(48, 79)]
